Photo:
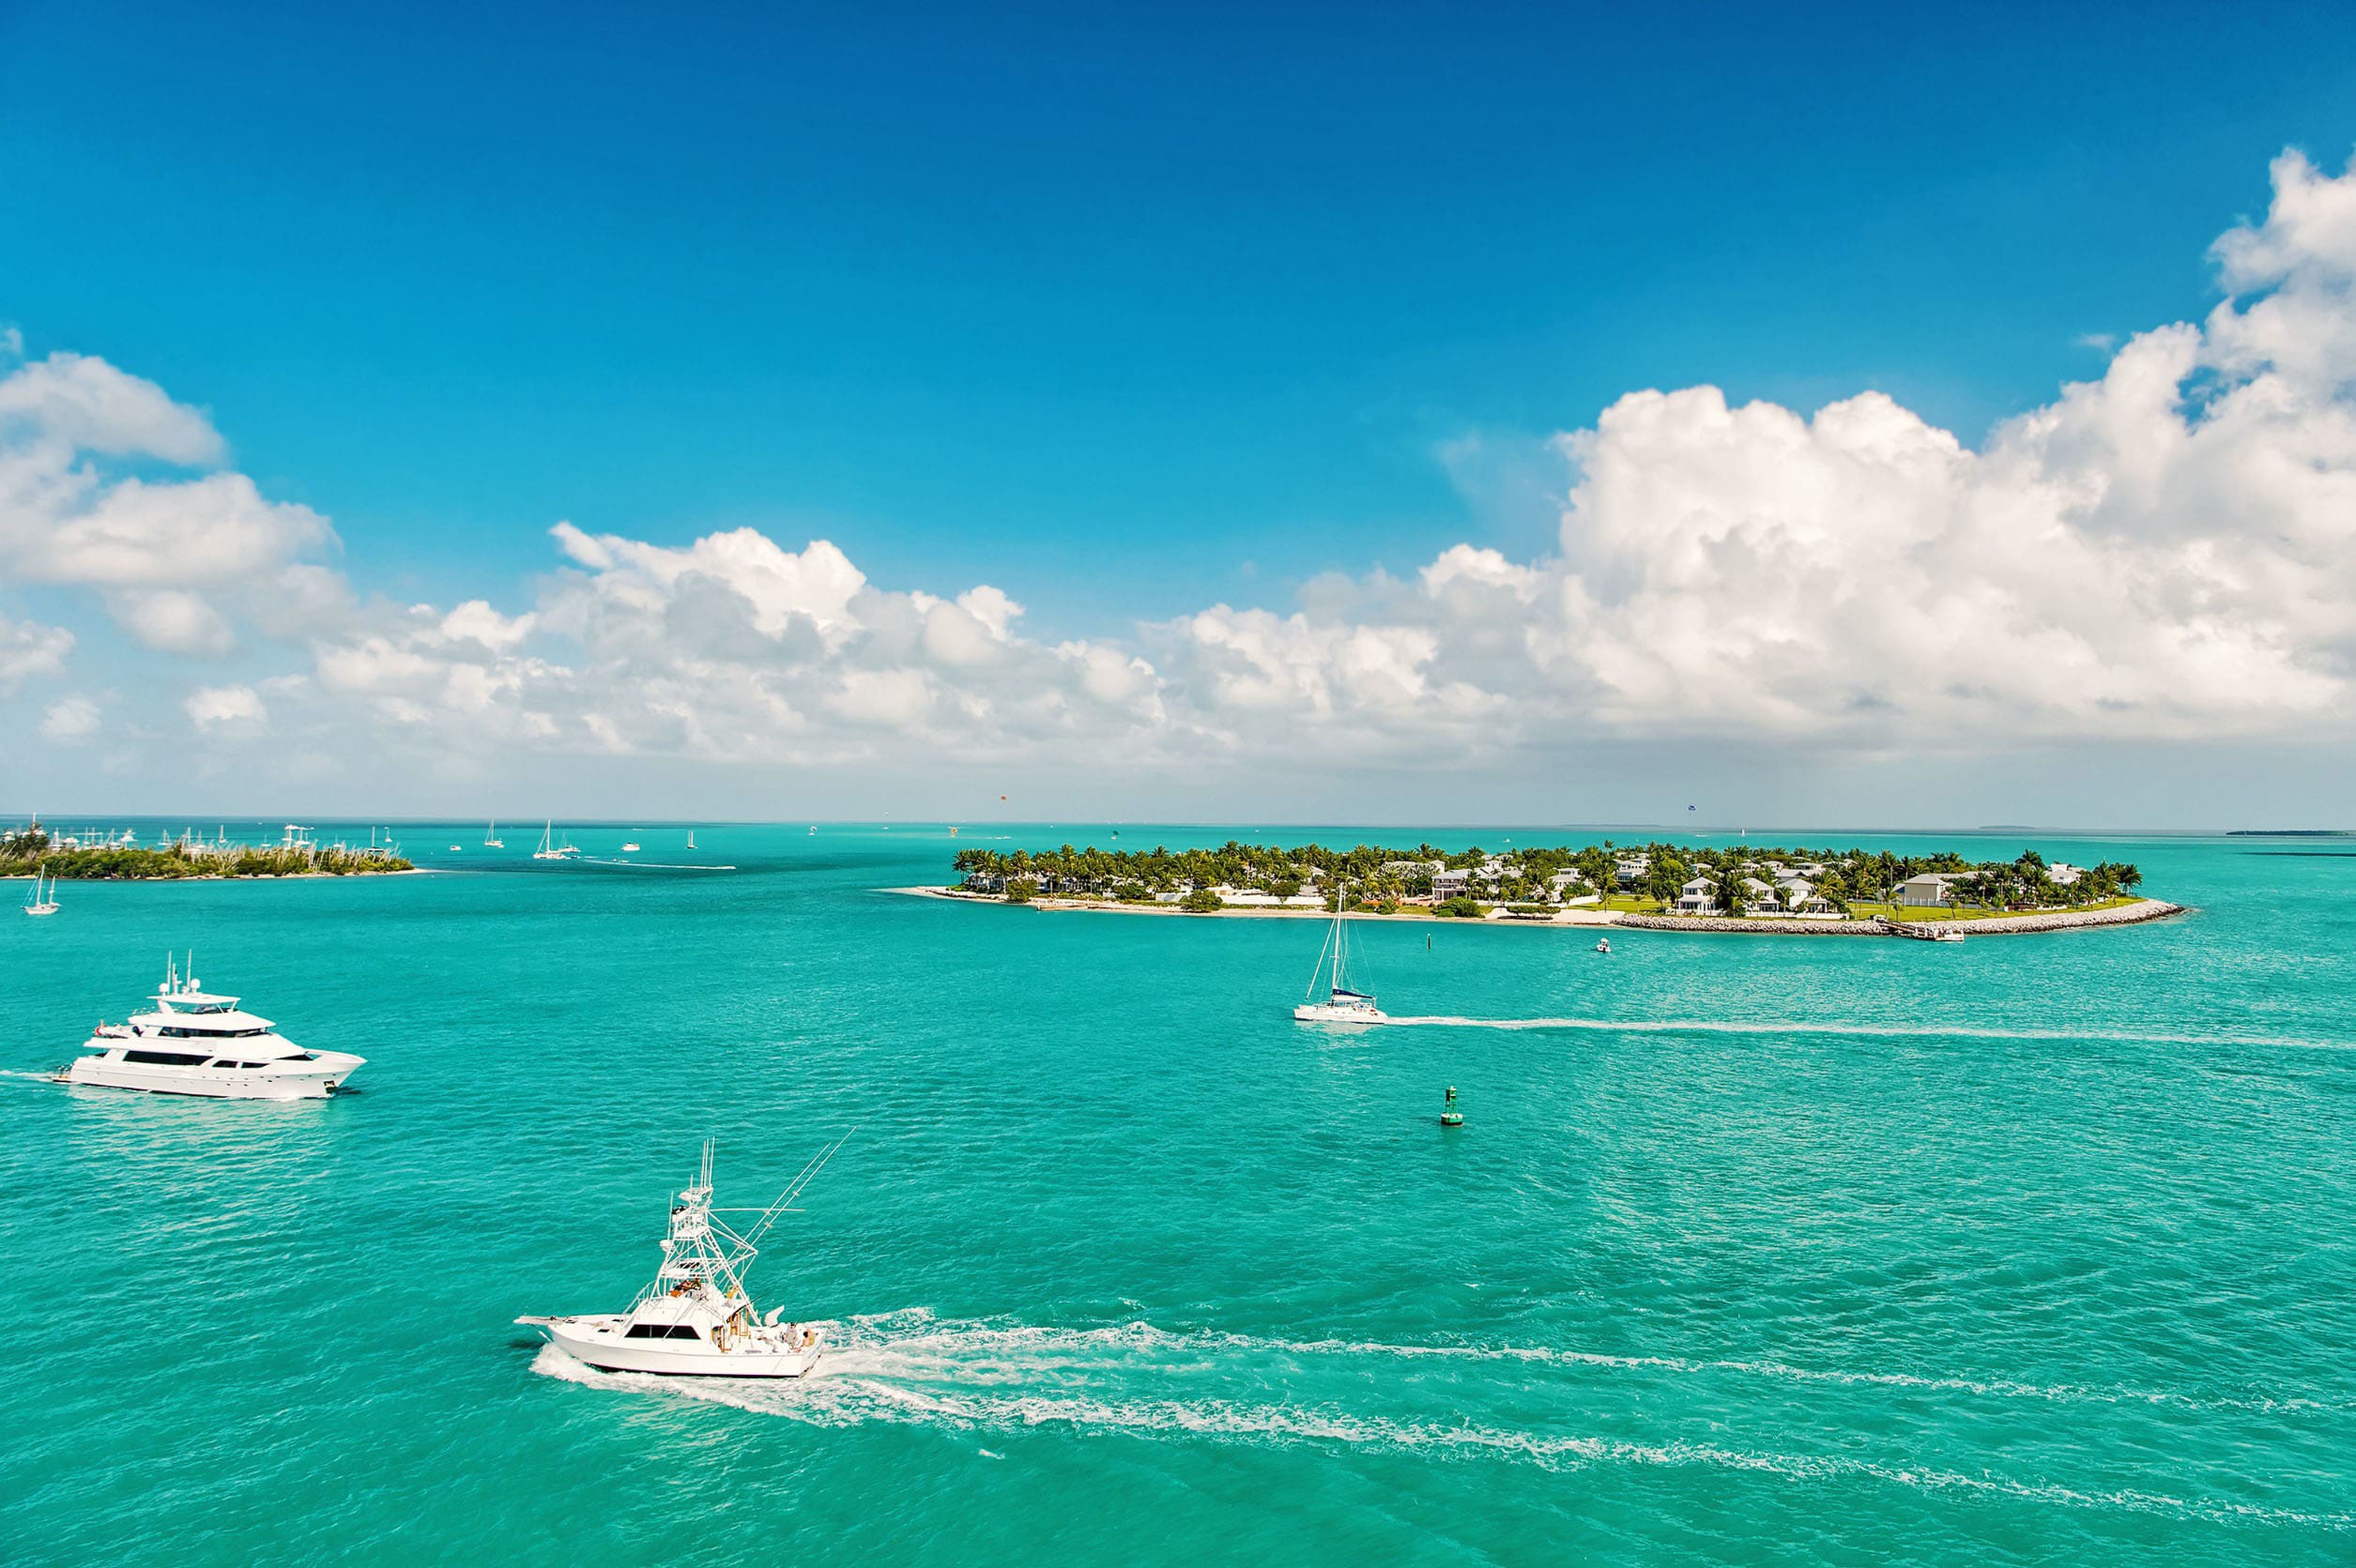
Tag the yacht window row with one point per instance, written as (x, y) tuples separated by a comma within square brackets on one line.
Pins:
[(661, 1330), (181, 1058)]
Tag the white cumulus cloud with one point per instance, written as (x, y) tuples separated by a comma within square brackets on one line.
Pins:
[(2163, 553)]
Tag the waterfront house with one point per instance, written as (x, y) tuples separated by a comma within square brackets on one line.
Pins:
[(1800, 897), (1448, 884), (1698, 897), (1927, 891), (1631, 868)]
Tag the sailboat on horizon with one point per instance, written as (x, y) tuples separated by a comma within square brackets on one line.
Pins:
[(491, 839), (37, 902), (691, 838), (1344, 1002), (551, 850)]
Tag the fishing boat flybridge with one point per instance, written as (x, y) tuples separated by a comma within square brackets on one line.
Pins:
[(695, 1320), (198, 1042), (1343, 1002)]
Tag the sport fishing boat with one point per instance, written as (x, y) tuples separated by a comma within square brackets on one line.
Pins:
[(1344, 1003), (697, 1319), (198, 1041), (38, 901)]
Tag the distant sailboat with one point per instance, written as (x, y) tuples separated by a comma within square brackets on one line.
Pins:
[(39, 903), (551, 850), (691, 838), (490, 837)]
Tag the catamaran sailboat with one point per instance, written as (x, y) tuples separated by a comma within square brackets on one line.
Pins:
[(198, 1041), (695, 1320), (551, 850), (491, 839), (39, 903), (1343, 1002)]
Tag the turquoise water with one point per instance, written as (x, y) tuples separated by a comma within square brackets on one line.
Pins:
[(1804, 1251)]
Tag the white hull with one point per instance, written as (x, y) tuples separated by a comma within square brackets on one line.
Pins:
[(1318, 1012), (310, 1080), (597, 1342)]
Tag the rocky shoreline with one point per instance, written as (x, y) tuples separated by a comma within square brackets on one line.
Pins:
[(1996, 925)]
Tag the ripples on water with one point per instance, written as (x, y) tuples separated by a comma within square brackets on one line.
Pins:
[(1787, 1250)]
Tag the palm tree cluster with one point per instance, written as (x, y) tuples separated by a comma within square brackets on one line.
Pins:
[(1654, 871), (20, 853)]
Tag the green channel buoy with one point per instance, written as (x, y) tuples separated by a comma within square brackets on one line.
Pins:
[(1449, 1114)]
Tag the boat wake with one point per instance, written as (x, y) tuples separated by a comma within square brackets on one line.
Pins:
[(989, 1375), (1862, 1032)]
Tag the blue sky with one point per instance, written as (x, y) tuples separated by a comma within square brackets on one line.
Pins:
[(1099, 307), (1122, 315)]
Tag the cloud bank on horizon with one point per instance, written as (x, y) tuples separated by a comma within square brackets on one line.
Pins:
[(2166, 553)]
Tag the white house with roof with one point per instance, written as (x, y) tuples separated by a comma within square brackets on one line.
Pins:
[(1632, 869), (1800, 897), (1928, 890), (1698, 897), (1449, 883), (2062, 874)]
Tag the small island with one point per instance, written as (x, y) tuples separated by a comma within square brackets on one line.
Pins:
[(1738, 887), (92, 857)]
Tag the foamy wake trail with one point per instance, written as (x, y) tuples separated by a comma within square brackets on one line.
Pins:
[(1136, 1379), (1862, 1032)]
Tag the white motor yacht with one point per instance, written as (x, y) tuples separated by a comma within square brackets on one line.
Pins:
[(198, 1041), (695, 1320), (1344, 1003)]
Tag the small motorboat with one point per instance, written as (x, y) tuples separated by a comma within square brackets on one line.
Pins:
[(695, 1320), (1604, 944), (630, 849), (1947, 937)]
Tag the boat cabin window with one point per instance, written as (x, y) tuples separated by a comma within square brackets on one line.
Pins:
[(171, 1033), (163, 1058), (661, 1330)]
